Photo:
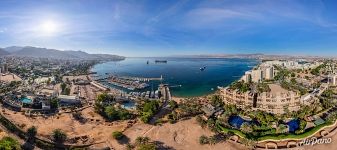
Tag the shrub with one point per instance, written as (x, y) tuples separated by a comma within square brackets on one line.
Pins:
[(147, 147), (59, 136), (203, 140), (117, 135), (8, 143)]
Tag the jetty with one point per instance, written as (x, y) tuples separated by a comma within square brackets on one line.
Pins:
[(142, 78)]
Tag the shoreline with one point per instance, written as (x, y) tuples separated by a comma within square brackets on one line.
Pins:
[(205, 92)]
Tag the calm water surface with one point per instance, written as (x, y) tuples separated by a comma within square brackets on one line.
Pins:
[(181, 71)]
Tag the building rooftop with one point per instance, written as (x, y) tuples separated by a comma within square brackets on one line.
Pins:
[(275, 88), (66, 97)]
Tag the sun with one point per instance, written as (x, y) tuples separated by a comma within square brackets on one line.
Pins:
[(49, 27)]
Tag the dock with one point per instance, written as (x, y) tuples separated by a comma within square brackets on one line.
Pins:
[(142, 79), (98, 85)]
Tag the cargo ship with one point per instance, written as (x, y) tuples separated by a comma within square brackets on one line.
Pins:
[(160, 61)]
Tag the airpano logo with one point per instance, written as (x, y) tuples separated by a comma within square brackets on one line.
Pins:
[(314, 141)]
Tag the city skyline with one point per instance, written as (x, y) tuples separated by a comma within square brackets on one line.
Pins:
[(165, 28)]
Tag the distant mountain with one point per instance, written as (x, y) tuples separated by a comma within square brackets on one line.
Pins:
[(257, 55), (247, 56), (36, 52), (13, 49), (3, 52)]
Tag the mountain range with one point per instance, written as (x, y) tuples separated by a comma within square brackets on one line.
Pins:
[(36, 52)]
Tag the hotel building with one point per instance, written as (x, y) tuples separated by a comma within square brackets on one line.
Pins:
[(257, 75), (247, 77), (276, 101), (269, 73)]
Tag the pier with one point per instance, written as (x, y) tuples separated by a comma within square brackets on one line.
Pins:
[(142, 78), (99, 86)]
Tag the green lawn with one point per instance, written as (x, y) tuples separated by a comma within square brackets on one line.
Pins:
[(278, 137), (294, 136), (236, 132)]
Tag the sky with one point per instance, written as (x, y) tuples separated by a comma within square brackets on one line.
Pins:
[(172, 27)]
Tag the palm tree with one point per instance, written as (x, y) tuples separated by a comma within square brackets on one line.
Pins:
[(31, 132), (59, 136)]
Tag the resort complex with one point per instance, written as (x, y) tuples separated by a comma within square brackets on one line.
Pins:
[(276, 101), (260, 89), (168, 75), (276, 104)]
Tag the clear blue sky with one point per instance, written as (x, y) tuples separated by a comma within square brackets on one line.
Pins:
[(170, 27)]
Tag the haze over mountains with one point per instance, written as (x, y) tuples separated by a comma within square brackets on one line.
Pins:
[(250, 56), (36, 52)]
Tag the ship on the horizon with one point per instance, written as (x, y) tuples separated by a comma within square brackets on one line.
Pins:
[(160, 61)]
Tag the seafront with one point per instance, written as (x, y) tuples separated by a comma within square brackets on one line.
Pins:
[(315, 125), (191, 83), (271, 141), (249, 112)]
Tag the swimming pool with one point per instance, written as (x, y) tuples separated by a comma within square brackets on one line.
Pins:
[(26, 100), (129, 105), (236, 121), (293, 125)]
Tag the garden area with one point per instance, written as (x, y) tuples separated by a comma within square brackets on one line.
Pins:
[(259, 125), (105, 105)]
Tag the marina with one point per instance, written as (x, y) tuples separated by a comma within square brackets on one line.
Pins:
[(130, 83), (183, 75)]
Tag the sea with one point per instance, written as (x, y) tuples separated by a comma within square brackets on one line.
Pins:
[(187, 77)]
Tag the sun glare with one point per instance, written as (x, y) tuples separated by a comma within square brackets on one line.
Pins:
[(49, 27)]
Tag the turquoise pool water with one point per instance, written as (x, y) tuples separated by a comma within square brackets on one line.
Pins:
[(129, 105), (26, 100)]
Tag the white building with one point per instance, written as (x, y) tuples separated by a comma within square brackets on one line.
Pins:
[(247, 77), (44, 79), (256, 75), (292, 64), (269, 73), (334, 80)]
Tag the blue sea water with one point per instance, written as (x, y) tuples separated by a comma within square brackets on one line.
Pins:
[(181, 71)]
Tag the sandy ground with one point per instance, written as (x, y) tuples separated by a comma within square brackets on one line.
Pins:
[(95, 128), (2, 133), (181, 136), (83, 77), (9, 78)]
